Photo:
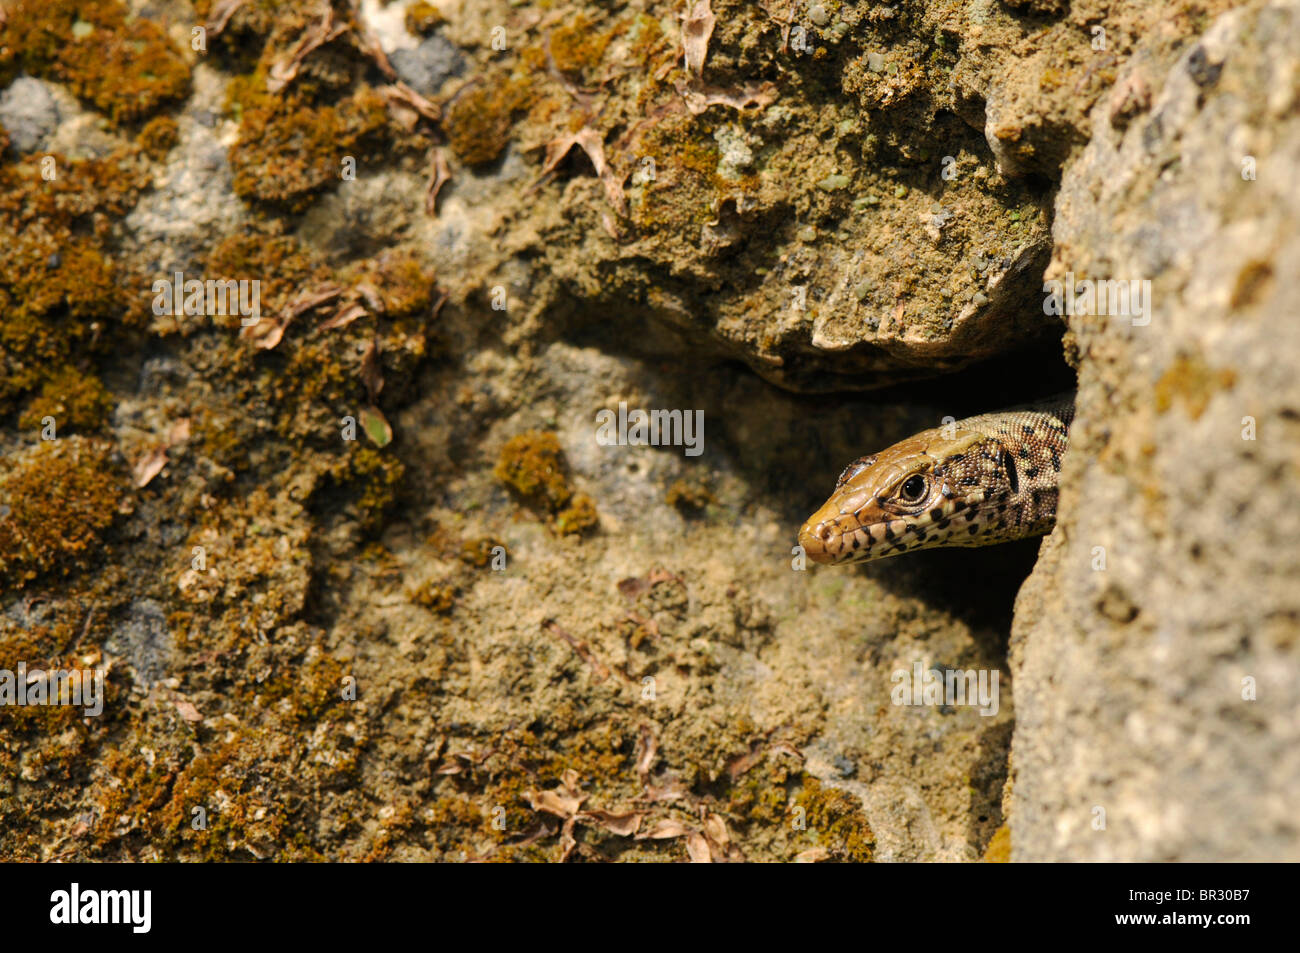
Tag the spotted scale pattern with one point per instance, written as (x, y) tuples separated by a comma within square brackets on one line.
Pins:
[(983, 480)]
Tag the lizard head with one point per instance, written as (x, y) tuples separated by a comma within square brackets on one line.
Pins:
[(926, 491)]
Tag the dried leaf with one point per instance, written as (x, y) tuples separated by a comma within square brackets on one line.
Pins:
[(560, 801), (187, 710), (589, 141), (402, 97), (649, 749), (697, 848), (700, 98), (220, 15), (697, 27), (149, 466), (342, 317), (372, 375), (715, 828), (567, 840), (601, 670), (440, 176), (368, 43), (738, 765), (812, 855), (663, 829), (625, 825), (284, 70), (672, 790)]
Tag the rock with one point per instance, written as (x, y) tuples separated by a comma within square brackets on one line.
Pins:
[(1155, 649), (143, 640), (429, 65), (29, 112)]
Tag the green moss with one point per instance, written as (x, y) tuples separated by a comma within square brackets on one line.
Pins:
[(373, 479), (59, 292), (159, 136), (435, 596), (478, 552), (578, 517), (836, 819), (123, 66), (532, 465), (61, 496), (405, 283), (480, 121), (76, 401), (577, 48), (689, 497), (291, 149), (423, 18), (687, 189)]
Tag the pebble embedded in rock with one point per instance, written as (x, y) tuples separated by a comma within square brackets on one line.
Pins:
[(429, 65), (28, 111)]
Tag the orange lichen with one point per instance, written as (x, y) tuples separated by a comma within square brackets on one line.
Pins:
[(96, 48), (56, 499)]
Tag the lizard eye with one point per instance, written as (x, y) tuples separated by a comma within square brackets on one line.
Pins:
[(913, 489)]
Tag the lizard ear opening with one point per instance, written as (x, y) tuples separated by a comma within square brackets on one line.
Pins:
[(853, 469)]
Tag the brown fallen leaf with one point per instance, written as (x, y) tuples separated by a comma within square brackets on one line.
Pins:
[(267, 334), (715, 828), (187, 710), (649, 745), (697, 27), (700, 98), (220, 15), (625, 824), (368, 43), (439, 176), (372, 375), (600, 669), (674, 789), (589, 141), (697, 848), (740, 764), (284, 70), (403, 97), (342, 317), (152, 463), (560, 801), (567, 840), (812, 855), (149, 466), (663, 829)]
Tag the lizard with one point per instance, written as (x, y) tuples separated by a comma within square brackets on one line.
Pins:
[(979, 481)]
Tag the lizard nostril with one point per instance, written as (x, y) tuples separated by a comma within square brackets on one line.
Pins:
[(825, 532)]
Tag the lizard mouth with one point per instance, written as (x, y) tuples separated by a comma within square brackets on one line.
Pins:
[(835, 540)]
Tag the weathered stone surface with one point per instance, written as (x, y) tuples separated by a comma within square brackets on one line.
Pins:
[(1162, 688), (28, 112)]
